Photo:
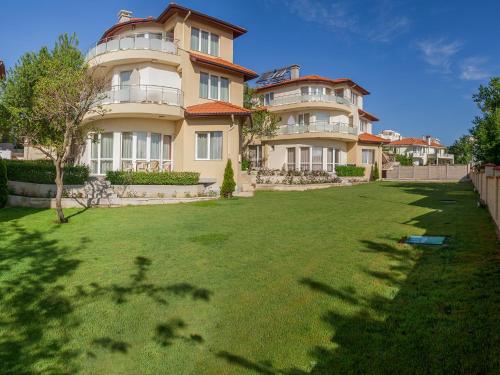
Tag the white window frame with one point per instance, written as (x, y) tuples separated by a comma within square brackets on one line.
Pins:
[(372, 152), (209, 138), (209, 41), (268, 98), (99, 159), (363, 126), (219, 78), (354, 98)]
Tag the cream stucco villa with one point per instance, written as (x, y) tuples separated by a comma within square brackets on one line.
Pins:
[(174, 98), (323, 124)]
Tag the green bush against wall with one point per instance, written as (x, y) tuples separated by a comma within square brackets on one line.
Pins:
[(349, 171), (158, 178), (44, 172)]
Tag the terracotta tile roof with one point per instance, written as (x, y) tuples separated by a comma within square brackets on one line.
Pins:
[(216, 108), (171, 10), (224, 64), (367, 115), (370, 138), (316, 78), (411, 141)]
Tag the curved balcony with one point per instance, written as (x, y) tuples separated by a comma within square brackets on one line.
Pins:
[(133, 48), (335, 130), (142, 101), (292, 101)]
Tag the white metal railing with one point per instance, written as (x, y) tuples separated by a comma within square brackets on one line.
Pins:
[(319, 127), (143, 94), (307, 98), (135, 41)]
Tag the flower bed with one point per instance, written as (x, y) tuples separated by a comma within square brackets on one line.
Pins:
[(280, 176)]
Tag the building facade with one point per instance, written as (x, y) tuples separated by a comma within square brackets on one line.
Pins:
[(390, 135), (424, 151), (174, 98), (322, 124)]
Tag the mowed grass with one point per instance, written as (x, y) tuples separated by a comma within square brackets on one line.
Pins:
[(282, 283)]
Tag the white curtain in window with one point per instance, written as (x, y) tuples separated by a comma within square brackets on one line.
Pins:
[(290, 158), (202, 145), (329, 159), (214, 44), (167, 147), (204, 85), (367, 156), (204, 42), (141, 145), (305, 160), (224, 89), (94, 147), (317, 158), (106, 145), (215, 145), (155, 146), (195, 39), (214, 87), (126, 145)]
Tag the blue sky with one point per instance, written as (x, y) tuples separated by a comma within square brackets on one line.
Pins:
[(421, 60)]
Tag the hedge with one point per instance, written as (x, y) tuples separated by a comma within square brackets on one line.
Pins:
[(349, 171), (44, 172), (158, 178)]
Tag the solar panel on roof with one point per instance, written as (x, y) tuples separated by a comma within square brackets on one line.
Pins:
[(274, 76)]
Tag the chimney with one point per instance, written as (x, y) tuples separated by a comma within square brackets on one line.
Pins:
[(124, 15), (428, 139), (294, 71)]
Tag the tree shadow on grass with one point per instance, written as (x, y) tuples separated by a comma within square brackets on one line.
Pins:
[(37, 307)]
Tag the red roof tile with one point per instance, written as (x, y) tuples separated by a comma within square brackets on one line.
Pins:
[(171, 10), (370, 138), (224, 64), (414, 141), (367, 115), (316, 78), (216, 108)]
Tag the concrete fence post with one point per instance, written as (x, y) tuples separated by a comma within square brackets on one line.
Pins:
[(446, 172), (428, 172), (414, 172), (399, 172)]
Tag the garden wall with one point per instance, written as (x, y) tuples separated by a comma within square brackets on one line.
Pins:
[(429, 172), (486, 181)]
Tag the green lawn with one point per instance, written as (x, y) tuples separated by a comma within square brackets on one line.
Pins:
[(282, 283)]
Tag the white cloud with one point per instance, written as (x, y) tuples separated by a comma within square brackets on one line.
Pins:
[(439, 53), (334, 15), (472, 69)]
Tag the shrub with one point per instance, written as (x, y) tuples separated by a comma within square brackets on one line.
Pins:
[(157, 178), (245, 164), (228, 184), (44, 172), (294, 177), (405, 160), (4, 192), (375, 172), (349, 171)]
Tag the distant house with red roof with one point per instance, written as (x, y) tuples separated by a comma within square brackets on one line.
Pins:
[(425, 150)]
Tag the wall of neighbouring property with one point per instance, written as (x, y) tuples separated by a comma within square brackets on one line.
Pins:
[(486, 180), (429, 172)]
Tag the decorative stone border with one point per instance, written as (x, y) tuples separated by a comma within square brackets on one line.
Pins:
[(304, 187)]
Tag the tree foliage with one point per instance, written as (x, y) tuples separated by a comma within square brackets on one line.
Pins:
[(486, 129), (4, 191), (228, 184), (44, 100), (462, 149), (405, 160)]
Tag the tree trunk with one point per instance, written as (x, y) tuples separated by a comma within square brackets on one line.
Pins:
[(59, 191)]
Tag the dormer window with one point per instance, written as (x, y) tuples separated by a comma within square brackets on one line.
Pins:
[(204, 41)]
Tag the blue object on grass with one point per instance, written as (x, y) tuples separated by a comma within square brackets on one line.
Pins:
[(425, 240)]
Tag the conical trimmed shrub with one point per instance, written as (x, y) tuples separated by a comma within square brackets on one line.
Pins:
[(228, 185)]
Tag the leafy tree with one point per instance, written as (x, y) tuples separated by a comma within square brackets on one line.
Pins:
[(228, 185), (44, 100), (406, 160), (4, 191), (486, 129), (264, 123), (462, 149)]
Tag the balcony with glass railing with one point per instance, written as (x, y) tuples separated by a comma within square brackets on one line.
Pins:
[(308, 98), (319, 127), (142, 100), (117, 46)]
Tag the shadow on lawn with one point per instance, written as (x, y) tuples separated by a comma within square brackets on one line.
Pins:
[(36, 305), (445, 315)]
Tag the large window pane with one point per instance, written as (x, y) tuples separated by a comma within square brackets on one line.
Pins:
[(290, 158), (202, 145), (367, 156), (195, 39), (317, 158), (224, 89), (214, 44), (126, 145), (329, 159), (204, 85), (215, 145), (94, 147), (305, 159), (141, 145), (155, 146), (214, 87), (106, 165), (106, 146), (125, 78), (167, 147), (204, 41)]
